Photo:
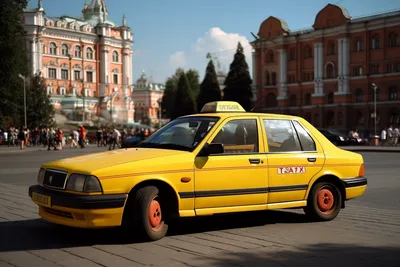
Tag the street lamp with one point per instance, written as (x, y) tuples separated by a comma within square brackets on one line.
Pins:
[(23, 78), (159, 101), (375, 88)]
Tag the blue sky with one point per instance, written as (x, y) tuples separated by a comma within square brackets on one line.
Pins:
[(179, 33)]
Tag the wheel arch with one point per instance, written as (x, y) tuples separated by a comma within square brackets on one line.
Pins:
[(332, 178), (166, 190)]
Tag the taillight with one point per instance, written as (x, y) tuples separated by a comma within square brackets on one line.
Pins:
[(361, 172)]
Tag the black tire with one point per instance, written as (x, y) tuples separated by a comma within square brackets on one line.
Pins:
[(321, 209), (141, 221)]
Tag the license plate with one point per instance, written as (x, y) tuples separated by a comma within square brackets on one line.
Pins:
[(41, 199)]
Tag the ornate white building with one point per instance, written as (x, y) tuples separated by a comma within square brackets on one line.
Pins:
[(86, 61)]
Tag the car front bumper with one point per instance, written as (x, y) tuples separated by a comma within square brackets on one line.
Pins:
[(84, 211)]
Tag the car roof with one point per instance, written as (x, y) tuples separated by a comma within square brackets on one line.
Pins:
[(237, 114)]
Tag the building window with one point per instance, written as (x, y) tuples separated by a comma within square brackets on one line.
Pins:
[(374, 69), (393, 40), (64, 50), (359, 45), (357, 71), (292, 54), (308, 99), (77, 75), (53, 49), (359, 95), (308, 76), (330, 98), (274, 78), (330, 71), (270, 56), (375, 43), (393, 93), (267, 79), (78, 51), (115, 56), (307, 52), (64, 75), (391, 67), (331, 49), (53, 73), (377, 93), (115, 78), (293, 101), (89, 53), (89, 76)]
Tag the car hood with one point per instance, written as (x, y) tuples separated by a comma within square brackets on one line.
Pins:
[(89, 163)]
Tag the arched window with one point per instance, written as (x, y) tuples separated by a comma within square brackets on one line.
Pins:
[(330, 98), (293, 100), (89, 53), (375, 42), (78, 51), (307, 52), (274, 78), (115, 56), (393, 93), (53, 49), (308, 99), (64, 49), (270, 101), (330, 70), (393, 40), (359, 95)]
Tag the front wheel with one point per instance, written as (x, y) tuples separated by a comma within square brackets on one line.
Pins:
[(324, 202), (149, 214)]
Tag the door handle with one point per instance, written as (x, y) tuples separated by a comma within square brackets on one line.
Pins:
[(312, 159), (254, 161)]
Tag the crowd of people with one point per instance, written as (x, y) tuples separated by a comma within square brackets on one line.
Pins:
[(57, 138)]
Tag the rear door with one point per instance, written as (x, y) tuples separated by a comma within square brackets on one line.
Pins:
[(294, 158)]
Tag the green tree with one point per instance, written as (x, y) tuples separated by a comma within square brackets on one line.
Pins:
[(13, 62), (40, 111), (184, 101), (209, 88), (168, 99), (238, 82), (194, 82)]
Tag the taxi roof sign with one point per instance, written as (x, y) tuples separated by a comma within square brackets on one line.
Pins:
[(222, 106)]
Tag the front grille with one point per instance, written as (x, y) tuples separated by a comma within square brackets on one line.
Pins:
[(55, 179), (59, 213)]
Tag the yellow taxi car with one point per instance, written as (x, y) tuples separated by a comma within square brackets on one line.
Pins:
[(222, 160)]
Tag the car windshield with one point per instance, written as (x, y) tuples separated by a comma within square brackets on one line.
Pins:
[(181, 134)]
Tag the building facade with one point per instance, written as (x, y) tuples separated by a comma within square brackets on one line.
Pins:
[(148, 100), (330, 74), (86, 61)]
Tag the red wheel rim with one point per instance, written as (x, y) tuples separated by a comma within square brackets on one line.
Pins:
[(155, 215), (325, 201)]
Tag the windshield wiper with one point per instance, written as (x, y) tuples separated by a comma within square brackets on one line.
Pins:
[(166, 146)]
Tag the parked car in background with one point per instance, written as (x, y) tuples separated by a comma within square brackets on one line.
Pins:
[(337, 138)]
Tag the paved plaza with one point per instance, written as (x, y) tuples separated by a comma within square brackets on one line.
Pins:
[(366, 232)]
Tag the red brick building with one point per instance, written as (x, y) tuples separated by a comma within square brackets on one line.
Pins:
[(326, 74)]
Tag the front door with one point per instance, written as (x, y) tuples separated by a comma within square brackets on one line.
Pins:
[(237, 179), (294, 158)]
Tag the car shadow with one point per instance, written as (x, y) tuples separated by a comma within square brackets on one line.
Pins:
[(39, 234)]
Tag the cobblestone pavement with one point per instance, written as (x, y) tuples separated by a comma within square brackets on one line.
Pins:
[(366, 232)]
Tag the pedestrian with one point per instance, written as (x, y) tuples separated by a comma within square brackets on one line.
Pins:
[(51, 139), (383, 137), (21, 138)]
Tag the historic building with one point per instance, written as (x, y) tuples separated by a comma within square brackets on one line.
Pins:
[(326, 74), (148, 100), (86, 61)]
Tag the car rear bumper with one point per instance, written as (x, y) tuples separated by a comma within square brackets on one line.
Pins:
[(355, 187), (85, 211)]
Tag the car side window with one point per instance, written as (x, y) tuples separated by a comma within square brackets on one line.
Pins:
[(281, 136), (306, 141), (238, 136)]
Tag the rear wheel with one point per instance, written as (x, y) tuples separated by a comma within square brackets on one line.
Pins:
[(149, 213), (324, 202)]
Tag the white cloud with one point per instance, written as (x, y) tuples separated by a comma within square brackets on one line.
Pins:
[(178, 59), (223, 46)]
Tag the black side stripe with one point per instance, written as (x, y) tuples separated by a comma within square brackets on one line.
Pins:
[(245, 191), (354, 182)]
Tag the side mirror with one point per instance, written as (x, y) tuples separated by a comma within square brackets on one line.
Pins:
[(211, 149)]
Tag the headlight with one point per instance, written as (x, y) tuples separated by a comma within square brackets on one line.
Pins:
[(83, 183), (40, 177), (341, 138)]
